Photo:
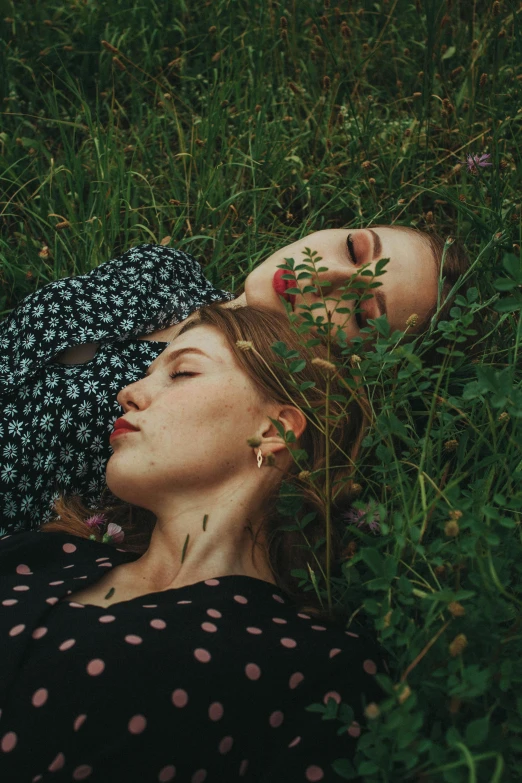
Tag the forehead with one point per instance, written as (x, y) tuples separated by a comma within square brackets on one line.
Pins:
[(209, 344)]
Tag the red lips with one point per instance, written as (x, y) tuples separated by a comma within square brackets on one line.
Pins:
[(123, 424), (280, 285)]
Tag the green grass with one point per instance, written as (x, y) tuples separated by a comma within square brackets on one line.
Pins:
[(236, 128)]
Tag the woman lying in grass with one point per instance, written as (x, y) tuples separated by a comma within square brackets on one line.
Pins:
[(67, 349), (183, 652)]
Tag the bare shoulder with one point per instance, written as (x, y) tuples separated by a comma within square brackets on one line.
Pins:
[(77, 354)]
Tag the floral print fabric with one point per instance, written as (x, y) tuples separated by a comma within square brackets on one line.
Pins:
[(55, 419)]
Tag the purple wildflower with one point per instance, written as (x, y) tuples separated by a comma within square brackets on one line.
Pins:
[(475, 160), (367, 516), (115, 533), (96, 521)]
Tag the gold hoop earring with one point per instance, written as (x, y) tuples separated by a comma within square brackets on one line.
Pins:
[(259, 458)]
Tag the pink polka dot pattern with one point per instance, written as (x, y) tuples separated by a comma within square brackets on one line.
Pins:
[(69, 548), (252, 671), (180, 698), (140, 667), (295, 679), (95, 667), (131, 638), (40, 697), (166, 774), (215, 711), (137, 724), (82, 772), (225, 745), (8, 741), (57, 764), (79, 721)]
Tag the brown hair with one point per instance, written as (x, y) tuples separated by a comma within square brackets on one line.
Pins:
[(286, 549)]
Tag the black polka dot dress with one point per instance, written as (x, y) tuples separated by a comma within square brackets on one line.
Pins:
[(56, 419), (208, 682)]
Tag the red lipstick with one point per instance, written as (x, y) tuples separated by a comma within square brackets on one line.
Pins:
[(280, 286), (121, 426)]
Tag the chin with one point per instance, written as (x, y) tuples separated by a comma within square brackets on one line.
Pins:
[(260, 292)]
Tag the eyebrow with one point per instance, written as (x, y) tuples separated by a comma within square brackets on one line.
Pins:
[(378, 293), (178, 352)]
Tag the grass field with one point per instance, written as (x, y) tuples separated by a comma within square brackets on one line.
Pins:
[(234, 128)]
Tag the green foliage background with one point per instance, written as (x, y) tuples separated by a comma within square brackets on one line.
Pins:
[(238, 127)]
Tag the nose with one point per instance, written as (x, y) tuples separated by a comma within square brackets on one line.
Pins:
[(133, 397)]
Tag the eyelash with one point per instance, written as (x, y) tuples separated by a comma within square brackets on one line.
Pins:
[(176, 374), (353, 259)]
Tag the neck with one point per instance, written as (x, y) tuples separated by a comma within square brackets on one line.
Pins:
[(199, 538)]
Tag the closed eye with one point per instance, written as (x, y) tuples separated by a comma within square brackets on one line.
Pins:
[(353, 258), (177, 374)]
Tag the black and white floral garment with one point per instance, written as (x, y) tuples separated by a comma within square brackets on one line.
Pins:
[(55, 419)]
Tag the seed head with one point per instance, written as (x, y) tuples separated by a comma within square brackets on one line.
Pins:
[(456, 609), (62, 224), (458, 645), (244, 345), (346, 31), (366, 165), (451, 445), (496, 8), (455, 514), (44, 252), (451, 528), (405, 691), (372, 711), (412, 320), (326, 83), (118, 63), (355, 360), (504, 416), (483, 80), (212, 29), (324, 364), (304, 475), (110, 47)]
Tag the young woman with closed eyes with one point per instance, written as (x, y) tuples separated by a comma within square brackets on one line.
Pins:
[(67, 349)]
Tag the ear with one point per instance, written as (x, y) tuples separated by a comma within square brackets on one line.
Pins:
[(288, 417)]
